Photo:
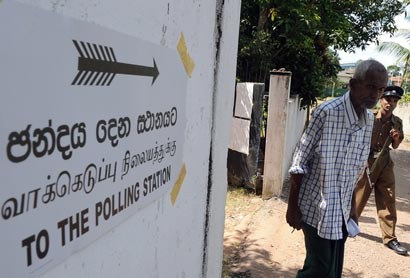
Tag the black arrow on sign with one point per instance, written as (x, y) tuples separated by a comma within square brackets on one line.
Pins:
[(97, 64)]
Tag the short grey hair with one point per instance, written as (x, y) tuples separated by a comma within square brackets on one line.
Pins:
[(366, 66)]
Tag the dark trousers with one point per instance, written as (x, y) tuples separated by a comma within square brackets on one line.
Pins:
[(324, 257)]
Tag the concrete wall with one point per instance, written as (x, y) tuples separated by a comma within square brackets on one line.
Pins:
[(403, 111), (284, 128), (185, 239), (295, 125)]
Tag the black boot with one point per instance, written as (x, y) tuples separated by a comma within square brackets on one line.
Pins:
[(396, 247)]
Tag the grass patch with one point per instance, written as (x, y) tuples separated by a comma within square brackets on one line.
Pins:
[(238, 199)]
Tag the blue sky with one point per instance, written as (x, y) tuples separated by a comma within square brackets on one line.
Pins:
[(371, 52)]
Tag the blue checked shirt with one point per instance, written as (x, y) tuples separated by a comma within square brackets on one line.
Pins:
[(331, 154)]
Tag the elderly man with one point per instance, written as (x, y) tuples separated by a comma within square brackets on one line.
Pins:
[(326, 164), (387, 131)]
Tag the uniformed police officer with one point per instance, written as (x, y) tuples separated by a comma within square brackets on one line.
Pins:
[(387, 131)]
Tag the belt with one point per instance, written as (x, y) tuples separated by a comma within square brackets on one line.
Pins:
[(375, 154)]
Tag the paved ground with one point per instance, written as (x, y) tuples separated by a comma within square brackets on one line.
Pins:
[(259, 243)]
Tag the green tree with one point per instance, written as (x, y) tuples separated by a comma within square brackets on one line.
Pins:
[(393, 70), (303, 37), (401, 52)]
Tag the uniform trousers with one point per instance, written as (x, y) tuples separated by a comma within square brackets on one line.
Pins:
[(384, 193)]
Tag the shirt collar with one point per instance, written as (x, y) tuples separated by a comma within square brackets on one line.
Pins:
[(378, 114), (351, 118)]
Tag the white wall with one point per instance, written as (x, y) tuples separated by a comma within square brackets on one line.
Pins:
[(295, 125), (284, 128), (164, 240), (228, 12), (403, 111)]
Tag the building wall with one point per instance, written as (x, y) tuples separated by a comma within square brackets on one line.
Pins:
[(403, 111), (163, 239)]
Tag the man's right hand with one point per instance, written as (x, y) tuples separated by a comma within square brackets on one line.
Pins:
[(294, 216), (293, 213)]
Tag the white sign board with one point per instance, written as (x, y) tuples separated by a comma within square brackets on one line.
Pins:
[(91, 129), (241, 121)]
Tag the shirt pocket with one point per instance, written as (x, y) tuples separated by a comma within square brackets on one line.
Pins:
[(356, 155)]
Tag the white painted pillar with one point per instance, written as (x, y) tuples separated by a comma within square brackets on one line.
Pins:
[(279, 90)]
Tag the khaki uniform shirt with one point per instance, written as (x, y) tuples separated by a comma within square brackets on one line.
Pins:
[(381, 131)]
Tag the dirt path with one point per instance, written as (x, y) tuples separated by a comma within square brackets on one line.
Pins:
[(259, 243)]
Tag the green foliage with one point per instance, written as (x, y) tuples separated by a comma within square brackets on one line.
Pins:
[(297, 35), (393, 70), (405, 98), (337, 92)]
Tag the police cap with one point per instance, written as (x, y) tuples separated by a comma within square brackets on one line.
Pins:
[(394, 91)]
